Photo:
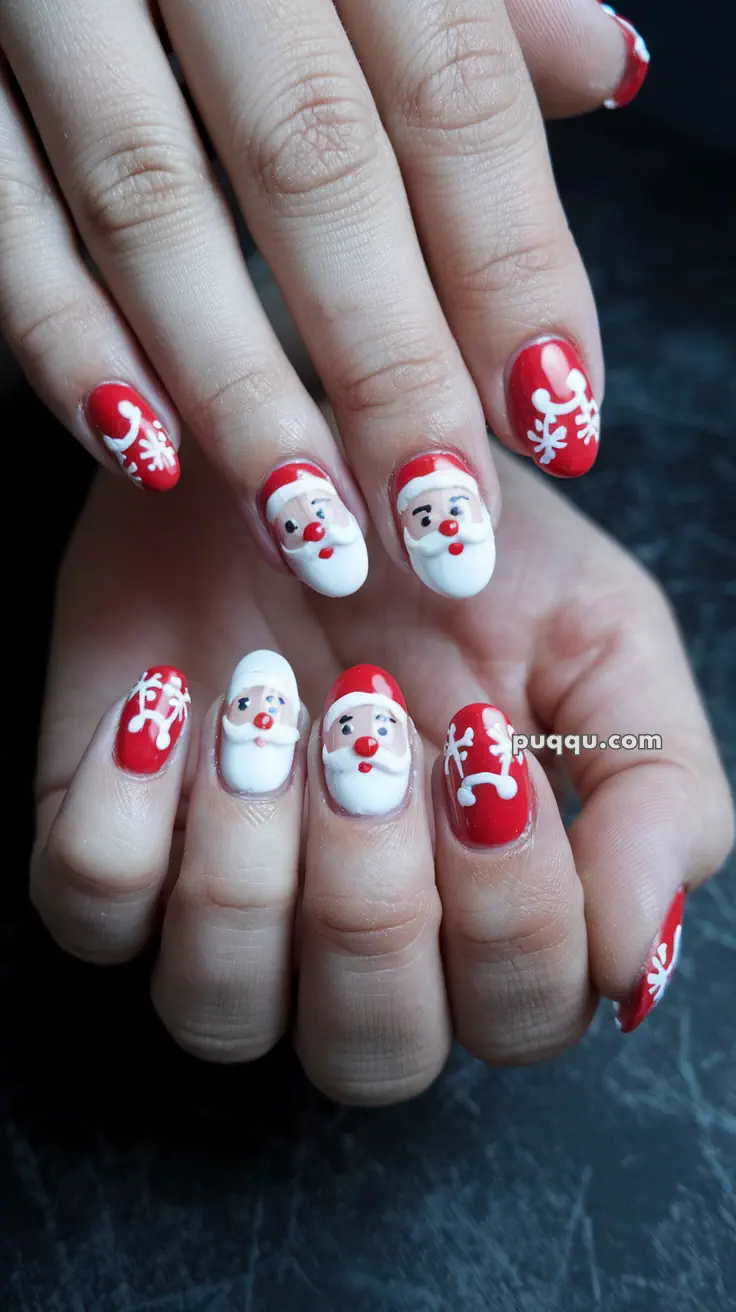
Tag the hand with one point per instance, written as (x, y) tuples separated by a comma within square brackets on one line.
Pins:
[(573, 638), (393, 171)]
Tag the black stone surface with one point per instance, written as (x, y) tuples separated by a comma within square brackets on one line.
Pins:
[(133, 1179)]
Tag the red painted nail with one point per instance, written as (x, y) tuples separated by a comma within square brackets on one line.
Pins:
[(488, 791), (658, 971), (637, 64), (152, 720), (552, 408), (132, 433)]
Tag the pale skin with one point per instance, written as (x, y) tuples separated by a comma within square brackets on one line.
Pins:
[(367, 721), (406, 937), (426, 512), (297, 513), (250, 702)]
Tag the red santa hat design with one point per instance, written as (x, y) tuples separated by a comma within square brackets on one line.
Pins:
[(364, 685), (430, 473), (299, 478)]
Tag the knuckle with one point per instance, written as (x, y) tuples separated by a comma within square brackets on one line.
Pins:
[(514, 265), (24, 202), (61, 321), (217, 403), (381, 928), (413, 370), (384, 1090), (136, 186), (222, 1049), (321, 137), (101, 871), (468, 82)]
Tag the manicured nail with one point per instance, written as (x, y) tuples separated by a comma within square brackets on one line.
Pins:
[(637, 63), (552, 408), (365, 742), (658, 970), (319, 538), (488, 792), (152, 720), (446, 526), (259, 725), (134, 435)]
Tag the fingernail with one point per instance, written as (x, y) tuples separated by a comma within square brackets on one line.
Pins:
[(134, 435), (319, 538), (552, 408), (637, 62), (488, 792), (259, 725), (658, 970), (446, 526), (365, 742), (152, 720)]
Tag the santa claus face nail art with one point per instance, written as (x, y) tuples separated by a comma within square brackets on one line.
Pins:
[(132, 433), (488, 793), (552, 408), (152, 720), (658, 971), (365, 742), (259, 725), (445, 523), (320, 539), (637, 64)]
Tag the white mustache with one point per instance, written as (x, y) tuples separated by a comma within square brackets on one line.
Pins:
[(433, 543), (346, 761), (280, 735), (335, 536)]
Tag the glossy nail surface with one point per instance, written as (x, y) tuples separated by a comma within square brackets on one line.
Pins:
[(552, 408), (445, 524), (637, 63), (658, 971), (365, 742), (488, 792), (152, 720), (319, 538), (259, 725), (134, 435)]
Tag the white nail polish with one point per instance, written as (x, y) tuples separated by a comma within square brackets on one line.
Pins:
[(319, 538), (259, 725), (365, 742), (446, 525)]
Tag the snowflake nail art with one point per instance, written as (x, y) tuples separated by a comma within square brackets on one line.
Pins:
[(553, 409), (152, 720), (134, 436), (487, 782), (658, 971)]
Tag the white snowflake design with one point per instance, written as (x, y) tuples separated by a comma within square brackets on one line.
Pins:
[(156, 448), (662, 970), (147, 689), (549, 436), (502, 749)]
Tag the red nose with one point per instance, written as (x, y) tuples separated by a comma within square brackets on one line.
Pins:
[(314, 532), (449, 527), (365, 746), (263, 720)]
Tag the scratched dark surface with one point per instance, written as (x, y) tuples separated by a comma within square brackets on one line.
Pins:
[(134, 1179)]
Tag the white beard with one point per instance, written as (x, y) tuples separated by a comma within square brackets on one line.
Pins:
[(344, 572), (248, 768), (377, 792), (455, 576)]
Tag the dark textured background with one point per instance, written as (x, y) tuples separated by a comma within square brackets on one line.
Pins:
[(135, 1180)]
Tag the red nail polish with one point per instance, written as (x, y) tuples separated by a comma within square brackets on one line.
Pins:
[(658, 971), (132, 433), (488, 791), (552, 408), (637, 64), (152, 720)]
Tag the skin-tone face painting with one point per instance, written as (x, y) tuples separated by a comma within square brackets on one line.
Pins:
[(260, 725), (365, 742), (446, 526), (319, 538)]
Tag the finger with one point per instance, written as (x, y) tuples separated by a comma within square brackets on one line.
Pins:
[(222, 981), (513, 924), (97, 875), (373, 1024), (124, 149), (580, 55), (655, 818), (460, 109), (65, 332), (287, 105)]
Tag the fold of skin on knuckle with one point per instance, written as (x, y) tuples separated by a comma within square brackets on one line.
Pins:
[(386, 1090), (385, 926), (199, 1037), (141, 188), (533, 1019)]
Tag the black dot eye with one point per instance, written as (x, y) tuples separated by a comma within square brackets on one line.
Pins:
[(456, 510), (426, 521), (320, 514), (291, 526), (347, 729), (281, 701), (243, 703)]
